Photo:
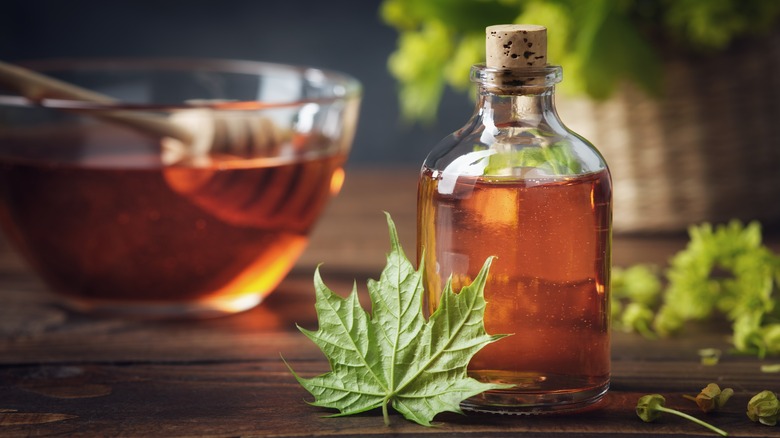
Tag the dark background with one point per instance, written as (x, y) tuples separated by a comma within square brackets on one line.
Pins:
[(345, 35)]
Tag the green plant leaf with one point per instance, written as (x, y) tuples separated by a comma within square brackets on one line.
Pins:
[(764, 408), (395, 357), (724, 270), (711, 397), (610, 48), (417, 65), (650, 407), (554, 159), (464, 15)]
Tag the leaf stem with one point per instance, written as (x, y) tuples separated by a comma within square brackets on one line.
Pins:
[(384, 412), (720, 432)]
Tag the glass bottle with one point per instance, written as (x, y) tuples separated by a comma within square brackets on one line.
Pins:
[(515, 183)]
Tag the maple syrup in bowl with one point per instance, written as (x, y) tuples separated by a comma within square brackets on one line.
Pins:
[(131, 218)]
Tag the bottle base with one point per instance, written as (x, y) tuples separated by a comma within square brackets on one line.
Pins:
[(536, 394)]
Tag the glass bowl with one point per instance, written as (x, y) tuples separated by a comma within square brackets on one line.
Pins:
[(182, 188)]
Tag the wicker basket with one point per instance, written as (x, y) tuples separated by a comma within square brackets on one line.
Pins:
[(708, 150)]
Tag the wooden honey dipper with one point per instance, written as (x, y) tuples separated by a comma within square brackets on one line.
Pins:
[(188, 135)]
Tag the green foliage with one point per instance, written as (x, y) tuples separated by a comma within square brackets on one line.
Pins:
[(650, 407), (770, 368), (416, 64), (599, 43), (635, 294), (724, 270), (712, 24), (647, 407), (554, 159), (394, 357), (438, 43), (709, 356), (712, 398), (764, 408)]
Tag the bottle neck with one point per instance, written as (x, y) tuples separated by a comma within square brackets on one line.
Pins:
[(517, 97), (518, 109)]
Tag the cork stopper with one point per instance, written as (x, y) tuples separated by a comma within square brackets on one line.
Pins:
[(515, 46)]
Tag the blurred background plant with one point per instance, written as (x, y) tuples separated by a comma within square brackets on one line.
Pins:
[(598, 42), (678, 95)]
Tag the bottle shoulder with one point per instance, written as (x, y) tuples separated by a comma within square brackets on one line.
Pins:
[(515, 148)]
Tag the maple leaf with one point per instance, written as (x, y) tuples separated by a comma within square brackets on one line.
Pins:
[(394, 357)]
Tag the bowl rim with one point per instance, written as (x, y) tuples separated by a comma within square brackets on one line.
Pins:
[(347, 87)]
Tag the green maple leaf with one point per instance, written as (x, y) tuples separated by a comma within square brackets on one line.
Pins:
[(395, 357)]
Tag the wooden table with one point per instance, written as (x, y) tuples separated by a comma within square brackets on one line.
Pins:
[(63, 373)]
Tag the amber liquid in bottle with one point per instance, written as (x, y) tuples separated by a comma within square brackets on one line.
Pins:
[(546, 287)]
